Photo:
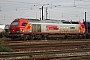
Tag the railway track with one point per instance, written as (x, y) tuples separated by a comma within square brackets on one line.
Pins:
[(61, 46), (45, 41), (47, 45), (47, 49), (51, 54)]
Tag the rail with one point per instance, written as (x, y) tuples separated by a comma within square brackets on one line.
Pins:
[(44, 54)]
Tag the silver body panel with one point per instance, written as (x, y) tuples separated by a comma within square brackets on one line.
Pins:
[(54, 28)]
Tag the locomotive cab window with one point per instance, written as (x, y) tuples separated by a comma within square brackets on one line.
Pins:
[(24, 24), (14, 23)]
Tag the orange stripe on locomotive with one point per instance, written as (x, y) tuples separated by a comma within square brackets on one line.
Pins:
[(28, 26)]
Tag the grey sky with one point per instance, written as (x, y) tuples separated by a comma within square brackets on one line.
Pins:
[(11, 9)]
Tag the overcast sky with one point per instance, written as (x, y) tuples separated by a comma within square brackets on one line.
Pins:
[(57, 9)]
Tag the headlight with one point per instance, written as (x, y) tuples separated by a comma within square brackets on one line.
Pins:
[(17, 31)]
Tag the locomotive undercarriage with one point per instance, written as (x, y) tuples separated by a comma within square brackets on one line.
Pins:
[(46, 36)]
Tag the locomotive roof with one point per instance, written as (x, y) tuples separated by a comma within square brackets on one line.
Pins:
[(33, 20), (52, 21), (56, 21), (72, 22), (43, 21)]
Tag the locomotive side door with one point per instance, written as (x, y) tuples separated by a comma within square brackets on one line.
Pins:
[(36, 27)]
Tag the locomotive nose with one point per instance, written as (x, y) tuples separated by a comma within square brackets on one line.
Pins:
[(82, 28), (12, 29)]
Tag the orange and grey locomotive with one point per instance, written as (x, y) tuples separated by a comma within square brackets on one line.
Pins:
[(22, 28)]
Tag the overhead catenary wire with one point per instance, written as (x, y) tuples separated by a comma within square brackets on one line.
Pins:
[(20, 2), (21, 6), (32, 4)]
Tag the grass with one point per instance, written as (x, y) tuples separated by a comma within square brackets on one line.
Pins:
[(4, 48)]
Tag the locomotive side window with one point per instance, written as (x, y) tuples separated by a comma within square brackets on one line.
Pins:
[(74, 22), (14, 23), (24, 24), (72, 27), (67, 22)]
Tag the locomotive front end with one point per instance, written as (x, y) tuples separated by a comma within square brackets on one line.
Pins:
[(82, 28), (17, 27)]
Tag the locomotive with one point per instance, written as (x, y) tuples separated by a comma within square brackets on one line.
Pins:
[(31, 29)]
